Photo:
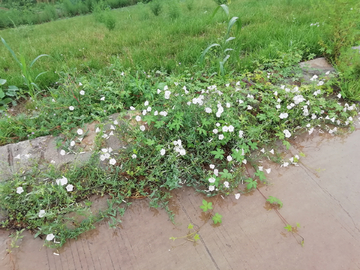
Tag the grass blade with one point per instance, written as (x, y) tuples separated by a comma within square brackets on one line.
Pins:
[(234, 20), (10, 50)]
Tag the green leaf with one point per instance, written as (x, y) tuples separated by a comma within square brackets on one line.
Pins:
[(201, 131), (206, 205), (217, 218), (11, 51), (2, 81), (159, 124), (261, 175), (274, 200), (190, 226), (288, 228), (237, 155), (234, 20), (251, 183), (206, 50), (219, 153), (37, 58), (225, 174), (298, 225), (150, 142), (196, 237)]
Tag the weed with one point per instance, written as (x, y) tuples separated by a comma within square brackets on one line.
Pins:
[(156, 7)]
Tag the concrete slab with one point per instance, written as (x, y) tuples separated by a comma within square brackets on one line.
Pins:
[(322, 194), (318, 66)]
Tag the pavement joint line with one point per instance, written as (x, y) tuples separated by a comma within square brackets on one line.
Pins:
[(201, 238)]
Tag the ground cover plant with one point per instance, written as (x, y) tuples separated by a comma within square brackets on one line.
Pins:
[(183, 121)]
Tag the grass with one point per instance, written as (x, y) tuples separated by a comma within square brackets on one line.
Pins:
[(269, 27)]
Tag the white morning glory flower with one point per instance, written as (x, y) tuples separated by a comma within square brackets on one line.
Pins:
[(146, 103), (287, 133), (208, 110), (72, 143), (142, 128), (61, 181), (112, 161), (226, 184), (82, 92), (19, 190), (241, 133), (69, 187), (221, 136), (231, 128), (211, 188), (62, 152), (167, 94), (162, 152), (229, 158), (212, 180), (138, 118), (212, 166), (237, 196), (278, 106), (268, 170), (244, 161), (71, 108), (134, 156), (50, 237), (225, 129), (260, 168), (272, 151), (283, 115), (42, 213), (216, 172), (228, 105), (80, 131)]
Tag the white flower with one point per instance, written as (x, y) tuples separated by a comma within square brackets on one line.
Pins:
[(287, 133), (313, 116), (82, 92), (163, 113), (299, 98), (53, 100), (268, 170), (132, 108), (62, 181), (212, 166), (142, 128), (182, 152), (226, 184), (103, 98), (102, 157), (225, 129), (228, 105), (112, 161), (283, 115), (339, 95), (162, 152), (208, 110), (272, 151), (241, 101), (19, 190), (241, 133), (112, 127), (221, 136), (50, 237), (167, 94), (278, 106), (148, 109), (166, 87), (62, 152), (138, 118), (314, 78), (320, 83), (229, 158), (249, 107), (52, 162), (216, 172), (328, 72), (212, 180), (72, 143), (231, 128), (285, 164), (317, 92), (244, 161), (134, 156), (80, 131), (69, 187), (42, 213), (80, 84), (144, 112), (156, 113), (211, 188), (146, 103), (237, 196), (71, 108)]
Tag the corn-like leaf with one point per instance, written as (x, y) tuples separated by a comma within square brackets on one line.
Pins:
[(234, 20), (41, 55), (229, 39), (206, 50), (224, 7)]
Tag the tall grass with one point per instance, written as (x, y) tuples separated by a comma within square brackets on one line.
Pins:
[(269, 27)]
